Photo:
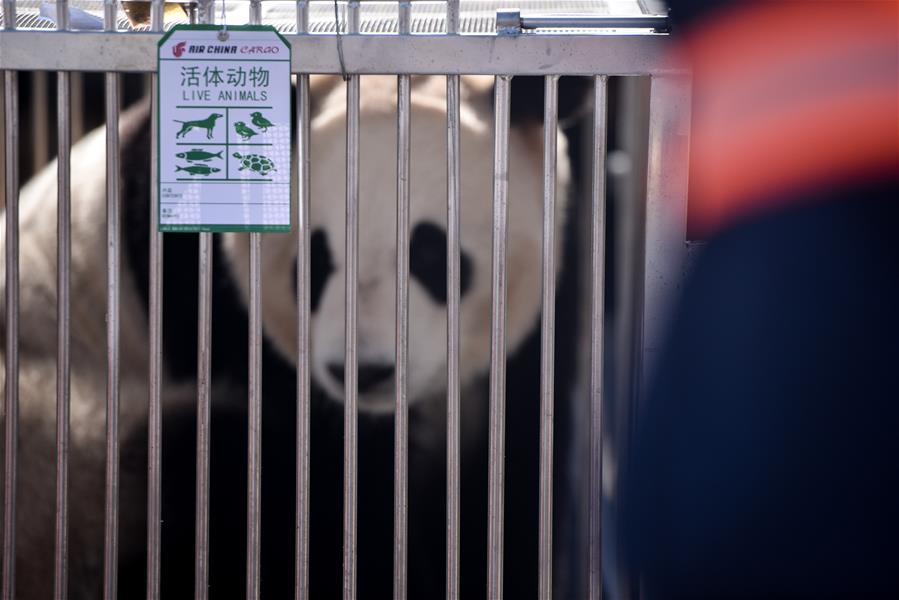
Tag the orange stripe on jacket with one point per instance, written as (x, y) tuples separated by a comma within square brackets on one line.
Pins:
[(790, 97)]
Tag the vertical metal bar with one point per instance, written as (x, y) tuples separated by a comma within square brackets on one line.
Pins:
[(204, 376), (204, 366), (350, 449), (77, 106), (63, 263), (303, 308), (666, 208), (303, 304), (40, 130), (597, 332), (154, 434), (453, 276), (255, 12), (2, 137), (401, 435), (254, 451), (548, 337), (113, 239), (452, 16), (11, 397), (497, 441), (627, 201)]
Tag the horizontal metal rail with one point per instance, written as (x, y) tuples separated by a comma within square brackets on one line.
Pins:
[(593, 22), (610, 54), (510, 21)]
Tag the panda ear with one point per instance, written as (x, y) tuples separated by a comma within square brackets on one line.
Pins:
[(527, 96), (320, 86)]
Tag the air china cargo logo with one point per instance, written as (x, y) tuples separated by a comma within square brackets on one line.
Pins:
[(181, 48)]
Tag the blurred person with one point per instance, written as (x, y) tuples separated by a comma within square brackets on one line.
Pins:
[(765, 458)]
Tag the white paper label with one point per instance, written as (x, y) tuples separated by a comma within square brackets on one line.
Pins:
[(224, 130)]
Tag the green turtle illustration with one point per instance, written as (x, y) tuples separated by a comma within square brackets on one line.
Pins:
[(198, 169), (243, 131), (198, 154), (260, 121), (255, 162)]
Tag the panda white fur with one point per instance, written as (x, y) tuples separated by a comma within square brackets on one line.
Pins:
[(428, 255), (427, 362), (36, 450), (427, 379)]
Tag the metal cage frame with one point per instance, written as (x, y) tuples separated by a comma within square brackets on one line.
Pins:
[(522, 44)]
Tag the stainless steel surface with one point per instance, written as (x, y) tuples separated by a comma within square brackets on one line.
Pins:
[(626, 181), (666, 208), (113, 246), (10, 15), (379, 17), (453, 276), (11, 410), (204, 374), (548, 338), (351, 409), (597, 252), (77, 105), (547, 52), (2, 140), (63, 265), (254, 451), (154, 416), (541, 54), (594, 22), (254, 456), (39, 127), (452, 16), (508, 22), (514, 21), (495, 512), (303, 307), (204, 383), (11, 393), (401, 418)]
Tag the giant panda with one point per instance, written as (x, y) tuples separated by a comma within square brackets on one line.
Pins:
[(376, 339), (427, 362)]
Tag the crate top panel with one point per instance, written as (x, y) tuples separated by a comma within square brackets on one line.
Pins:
[(376, 17)]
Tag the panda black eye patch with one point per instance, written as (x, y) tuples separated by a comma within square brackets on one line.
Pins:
[(321, 265), (427, 261)]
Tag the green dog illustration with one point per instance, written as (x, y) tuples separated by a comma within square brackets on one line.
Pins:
[(208, 124)]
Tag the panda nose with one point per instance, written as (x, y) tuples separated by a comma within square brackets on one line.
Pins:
[(370, 375)]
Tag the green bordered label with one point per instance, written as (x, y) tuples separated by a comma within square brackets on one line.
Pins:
[(224, 129)]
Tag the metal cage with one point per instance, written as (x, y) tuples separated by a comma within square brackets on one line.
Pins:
[(624, 41)]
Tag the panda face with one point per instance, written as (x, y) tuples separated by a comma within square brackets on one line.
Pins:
[(376, 295)]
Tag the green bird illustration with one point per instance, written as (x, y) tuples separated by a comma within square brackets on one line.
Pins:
[(243, 131), (260, 121)]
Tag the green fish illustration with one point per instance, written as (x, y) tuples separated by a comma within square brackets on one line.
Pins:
[(198, 169), (197, 154)]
